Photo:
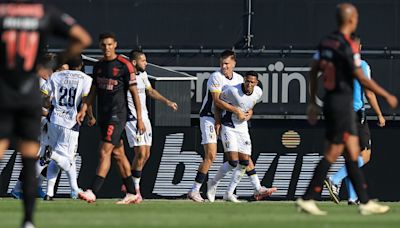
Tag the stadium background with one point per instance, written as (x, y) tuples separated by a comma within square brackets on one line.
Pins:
[(187, 35)]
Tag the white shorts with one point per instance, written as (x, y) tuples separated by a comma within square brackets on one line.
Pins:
[(43, 138), (63, 141), (136, 139), (207, 127), (235, 140)]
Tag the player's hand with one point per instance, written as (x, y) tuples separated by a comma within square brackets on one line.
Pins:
[(217, 128), (173, 105), (248, 115), (80, 117), (381, 121), (392, 101), (240, 115), (312, 111), (140, 127), (91, 122)]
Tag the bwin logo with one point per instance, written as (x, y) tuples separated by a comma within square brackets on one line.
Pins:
[(178, 168), (276, 82)]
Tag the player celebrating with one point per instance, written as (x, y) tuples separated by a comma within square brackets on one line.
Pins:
[(216, 82), (141, 142), (363, 130), (24, 26), (234, 132), (339, 62), (113, 76), (67, 90)]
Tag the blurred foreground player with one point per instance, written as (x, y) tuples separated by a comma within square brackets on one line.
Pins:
[(24, 27), (339, 63)]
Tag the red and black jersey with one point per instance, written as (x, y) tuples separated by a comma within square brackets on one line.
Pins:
[(24, 28), (338, 59), (112, 80)]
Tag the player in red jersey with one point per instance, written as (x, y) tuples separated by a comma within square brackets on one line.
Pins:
[(113, 76)]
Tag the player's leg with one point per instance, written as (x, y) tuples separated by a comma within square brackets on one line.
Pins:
[(4, 143), (229, 142), (306, 203), (29, 150), (209, 142), (237, 175), (260, 192), (52, 174)]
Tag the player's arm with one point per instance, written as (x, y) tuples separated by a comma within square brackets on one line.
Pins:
[(374, 87), (157, 96), (89, 101), (312, 108), (136, 101), (375, 106), (81, 114), (225, 106), (217, 117)]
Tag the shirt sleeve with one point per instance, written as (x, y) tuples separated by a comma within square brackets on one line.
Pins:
[(130, 76), (214, 84), (226, 95), (47, 87), (353, 57), (366, 69), (87, 83), (60, 22), (94, 75), (259, 94), (146, 81)]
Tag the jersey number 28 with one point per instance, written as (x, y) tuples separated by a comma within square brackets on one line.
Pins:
[(67, 97)]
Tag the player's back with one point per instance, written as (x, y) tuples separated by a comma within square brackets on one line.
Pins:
[(338, 60), (67, 89), (24, 27)]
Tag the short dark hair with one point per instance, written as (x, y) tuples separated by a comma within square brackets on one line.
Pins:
[(106, 35), (75, 62), (251, 73), (48, 60), (228, 53), (134, 54)]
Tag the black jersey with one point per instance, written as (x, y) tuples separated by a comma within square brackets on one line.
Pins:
[(112, 80), (24, 27), (338, 60)]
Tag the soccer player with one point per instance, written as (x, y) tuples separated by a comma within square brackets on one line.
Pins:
[(235, 133), (24, 27), (67, 90), (339, 62), (332, 182), (113, 76), (141, 142), (44, 71), (215, 84)]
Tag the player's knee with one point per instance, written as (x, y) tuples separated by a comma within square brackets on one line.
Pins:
[(233, 163), (209, 158), (244, 163)]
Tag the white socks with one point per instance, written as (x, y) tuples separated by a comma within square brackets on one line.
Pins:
[(237, 175), (52, 174)]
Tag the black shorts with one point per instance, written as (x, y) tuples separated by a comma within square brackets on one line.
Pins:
[(20, 111), (111, 132), (340, 118), (363, 133)]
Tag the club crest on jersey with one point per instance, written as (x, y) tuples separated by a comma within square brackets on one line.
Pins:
[(115, 71)]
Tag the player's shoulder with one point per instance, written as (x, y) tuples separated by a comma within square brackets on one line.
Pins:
[(216, 74), (125, 62), (258, 90)]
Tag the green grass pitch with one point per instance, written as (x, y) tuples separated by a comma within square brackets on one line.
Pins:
[(183, 213)]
